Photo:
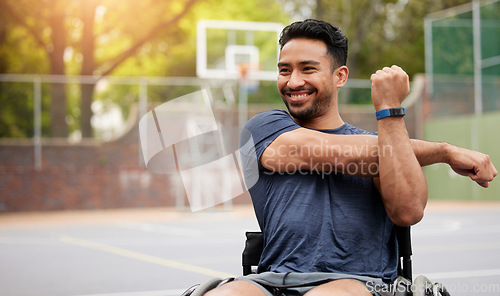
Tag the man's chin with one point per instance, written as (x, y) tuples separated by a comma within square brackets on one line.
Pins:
[(301, 113), (297, 110)]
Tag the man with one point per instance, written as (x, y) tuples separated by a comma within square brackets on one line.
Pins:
[(326, 194)]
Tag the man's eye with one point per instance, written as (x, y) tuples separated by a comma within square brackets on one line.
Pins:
[(284, 71), (309, 68)]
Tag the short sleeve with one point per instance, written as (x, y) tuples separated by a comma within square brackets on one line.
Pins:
[(257, 134)]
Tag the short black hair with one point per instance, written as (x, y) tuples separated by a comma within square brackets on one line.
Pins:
[(335, 40)]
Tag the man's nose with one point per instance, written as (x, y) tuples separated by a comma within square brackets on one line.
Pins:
[(296, 80)]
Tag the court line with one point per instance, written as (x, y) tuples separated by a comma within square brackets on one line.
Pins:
[(143, 257), (457, 247), (464, 274), (173, 292), (454, 230), (162, 229)]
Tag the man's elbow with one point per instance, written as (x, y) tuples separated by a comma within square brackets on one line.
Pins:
[(411, 212), (407, 218)]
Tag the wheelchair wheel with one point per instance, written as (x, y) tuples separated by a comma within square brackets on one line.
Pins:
[(190, 291), (423, 287), (206, 286)]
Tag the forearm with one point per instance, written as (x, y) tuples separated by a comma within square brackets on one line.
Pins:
[(308, 150), (428, 153), (402, 182)]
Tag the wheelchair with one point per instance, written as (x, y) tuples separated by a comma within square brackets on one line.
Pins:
[(402, 286)]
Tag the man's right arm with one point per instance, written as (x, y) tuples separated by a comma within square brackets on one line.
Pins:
[(305, 149)]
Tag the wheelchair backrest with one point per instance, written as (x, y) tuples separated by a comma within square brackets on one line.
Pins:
[(254, 246)]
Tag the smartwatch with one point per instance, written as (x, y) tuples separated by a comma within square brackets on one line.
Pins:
[(398, 112)]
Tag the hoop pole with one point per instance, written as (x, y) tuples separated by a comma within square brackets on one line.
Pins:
[(242, 103)]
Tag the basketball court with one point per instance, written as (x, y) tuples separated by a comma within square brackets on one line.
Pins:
[(161, 251)]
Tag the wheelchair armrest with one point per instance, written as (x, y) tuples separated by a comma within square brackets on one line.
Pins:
[(254, 245)]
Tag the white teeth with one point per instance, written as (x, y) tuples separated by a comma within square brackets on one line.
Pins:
[(298, 96)]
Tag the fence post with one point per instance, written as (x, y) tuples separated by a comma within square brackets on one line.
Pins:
[(478, 82), (143, 109), (37, 137)]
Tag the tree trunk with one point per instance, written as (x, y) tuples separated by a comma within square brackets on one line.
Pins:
[(88, 66), (87, 92), (59, 127)]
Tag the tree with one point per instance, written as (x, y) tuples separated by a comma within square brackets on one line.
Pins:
[(25, 14), (54, 24), (146, 38), (380, 32)]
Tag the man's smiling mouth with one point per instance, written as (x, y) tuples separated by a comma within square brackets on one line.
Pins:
[(298, 97)]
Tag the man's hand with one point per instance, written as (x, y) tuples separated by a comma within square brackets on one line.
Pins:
[(472, 164), (390, 86)]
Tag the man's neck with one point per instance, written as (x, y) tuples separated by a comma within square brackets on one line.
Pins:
[(331, 120)]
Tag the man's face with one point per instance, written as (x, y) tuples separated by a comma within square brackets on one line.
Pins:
[(305, 80)]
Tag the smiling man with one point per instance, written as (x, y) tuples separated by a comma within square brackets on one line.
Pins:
[(327, 194)]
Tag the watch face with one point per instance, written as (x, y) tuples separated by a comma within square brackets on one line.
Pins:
[(397, 112)]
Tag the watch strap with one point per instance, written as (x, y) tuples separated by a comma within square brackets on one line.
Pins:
[(391, 112)]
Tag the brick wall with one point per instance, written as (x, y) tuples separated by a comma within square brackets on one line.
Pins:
[(88, 175)]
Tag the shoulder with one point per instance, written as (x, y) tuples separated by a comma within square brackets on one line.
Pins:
[(270, 122), (270, 117), (348, 129), (264, 128)]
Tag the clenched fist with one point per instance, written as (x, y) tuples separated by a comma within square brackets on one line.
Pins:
[(390, 86)]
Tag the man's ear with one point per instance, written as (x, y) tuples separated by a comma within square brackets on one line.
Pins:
[(341, 75)]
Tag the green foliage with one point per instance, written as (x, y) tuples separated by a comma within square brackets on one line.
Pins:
[(28, 41), (16, 105), (381, 33), (17, 111), (19, 54), (266, 94)]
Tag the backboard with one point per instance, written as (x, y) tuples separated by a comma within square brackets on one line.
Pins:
[(224, 47)]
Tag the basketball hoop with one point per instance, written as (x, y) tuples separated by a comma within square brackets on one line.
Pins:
[(246, 68), (247, 80)]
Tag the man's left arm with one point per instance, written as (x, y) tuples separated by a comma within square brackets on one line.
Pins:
[(401, 181)]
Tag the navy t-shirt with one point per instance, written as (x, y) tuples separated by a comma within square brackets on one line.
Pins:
[(315, 221)]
